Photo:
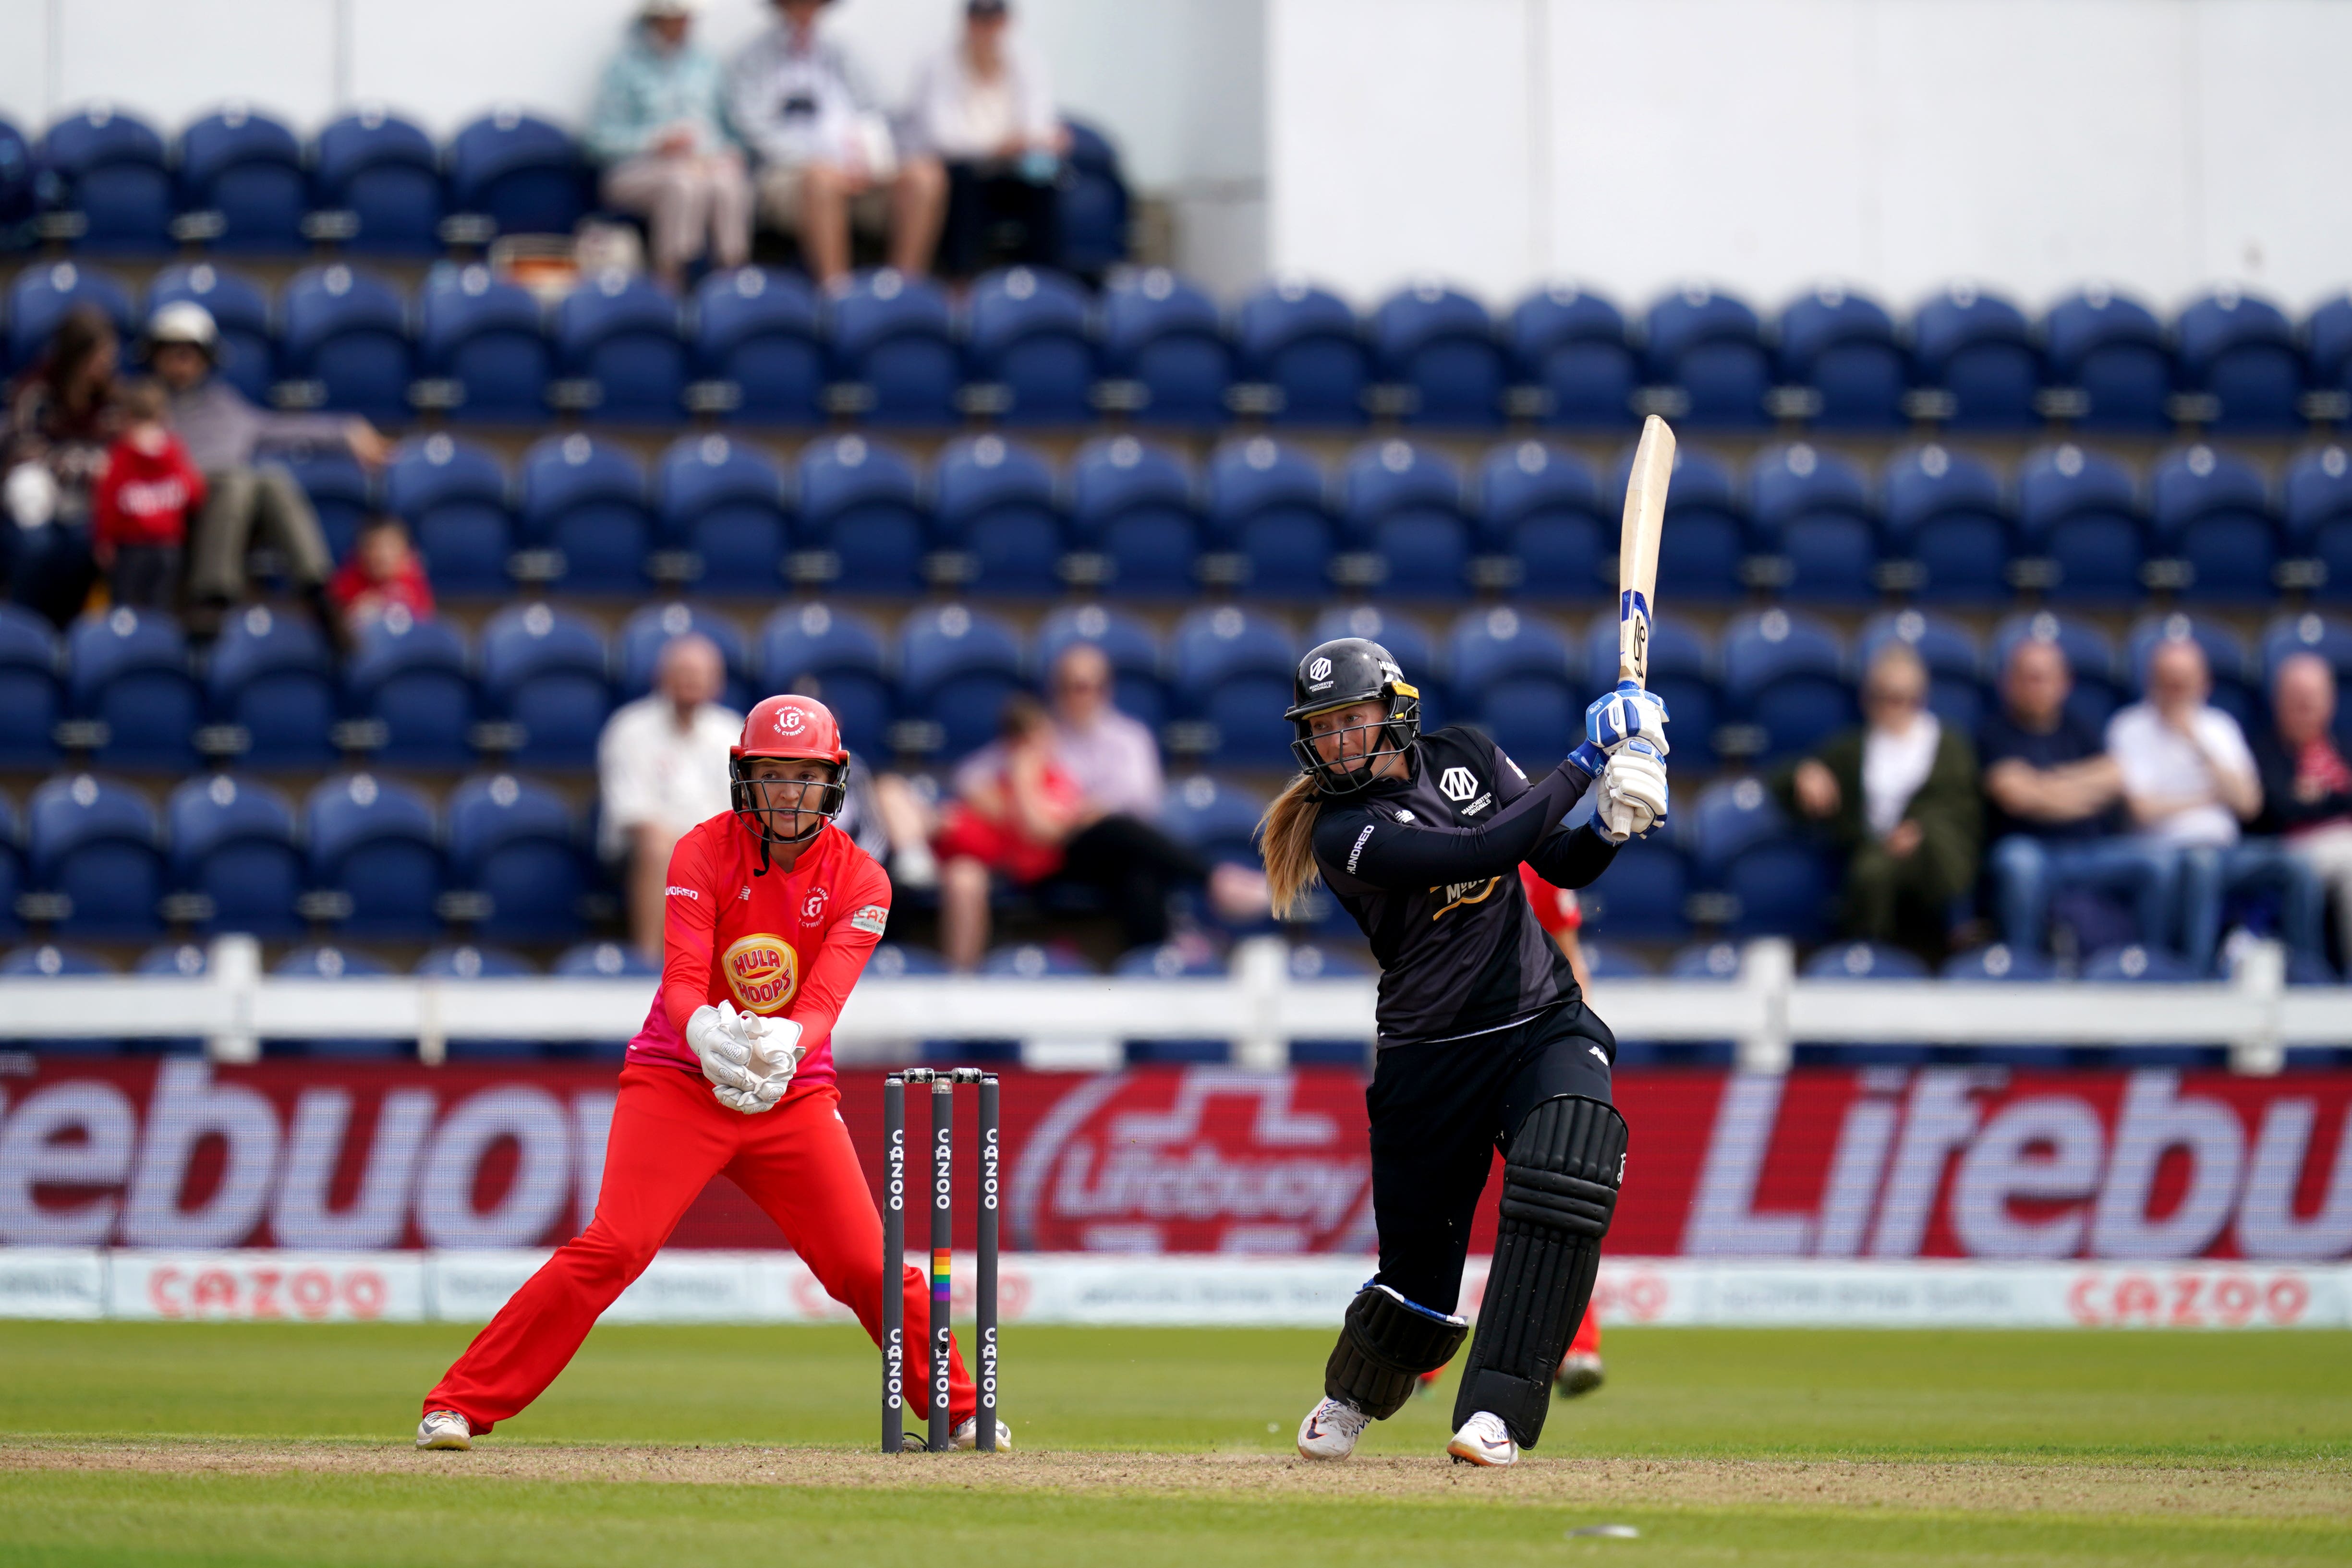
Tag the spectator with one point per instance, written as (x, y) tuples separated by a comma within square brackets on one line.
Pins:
[(140, 515), (383, 571), (246, 500), (827, 160), (661, 767), (61, 419), (985, 106), (1015, 811), (2306, 784), (1899, 796), (2050, 797), (656, 128)]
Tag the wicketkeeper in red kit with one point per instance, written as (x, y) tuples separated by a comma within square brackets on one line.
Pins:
[(770, 916)]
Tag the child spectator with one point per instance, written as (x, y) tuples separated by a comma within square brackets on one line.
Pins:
[(1013, 819), (140, 512), (383, 571)]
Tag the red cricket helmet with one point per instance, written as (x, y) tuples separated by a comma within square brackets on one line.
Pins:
[(791, 728)]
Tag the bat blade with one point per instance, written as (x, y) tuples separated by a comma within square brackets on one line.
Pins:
[(1637, 547)]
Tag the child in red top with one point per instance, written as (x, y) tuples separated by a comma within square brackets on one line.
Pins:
[(382, 572), (140, 509), (770, 914)]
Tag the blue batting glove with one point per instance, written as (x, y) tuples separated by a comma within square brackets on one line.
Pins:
[(1628, 713)]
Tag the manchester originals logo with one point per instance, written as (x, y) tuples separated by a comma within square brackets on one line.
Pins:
[(1457, 784), (763, 972), (1321, 669)]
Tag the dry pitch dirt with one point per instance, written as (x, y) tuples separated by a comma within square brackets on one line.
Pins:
[(2314, 1489)]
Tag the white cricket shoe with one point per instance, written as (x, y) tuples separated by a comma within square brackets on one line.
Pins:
[(1483, 1440), (444, 1429), (1579, 1372), (1330, 1430), (967, 1436)]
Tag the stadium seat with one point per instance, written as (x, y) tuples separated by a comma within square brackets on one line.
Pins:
[(338, 489), (1706, 961), (1511, 676), (1266, 506), (650, 628), (1132, 503), (1542, 508), (1682, 676), (1709, 523), (484, 338), (270, 675), (993, 500), (1784, 674), (1780, 882), (1439, 345), (2209, 508), (514, 841), (232, 841), (1163, 337), (1400, 504), (94, 841), (1128, 643), (1708, 344), (1173, 961), (519, 171), (453, 496), (2234, 672), (1027, 337), (586, 500), (39, 297), (837, 657), (238, 308), (548, 672), (1570, 345), (128, 669), (2327, 338), (2077, 510), (2089, 657), (346, 331), (1643, 895), (2310, 632), (1301, 343), (1845, 961), (108, 172), (412, 677), (892, 337), (2318, 515), (1216, 819), (1232, 670), (956, 667), (1812, 509), (893, 959), (1404, 639), (2112, 350), (12, 867), (2240, 351), (1954, 666), (1945, 515), (242, 186), (1608, 961), (1092, 215), (31, 698), (617, 334), (19, 179), (755, 329), (45, 959), (380, 177), (1978, 349), (1320, 961), (724, 501), (611, 961), (861, 508), (1841, 346), (373, 840), (472, 961), (1999, 962), (1036, 961), (333, 961)]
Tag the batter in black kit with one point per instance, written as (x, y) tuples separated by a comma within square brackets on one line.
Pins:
[(1484, 1040)]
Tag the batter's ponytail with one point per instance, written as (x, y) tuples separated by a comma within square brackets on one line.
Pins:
[(1286, 839)]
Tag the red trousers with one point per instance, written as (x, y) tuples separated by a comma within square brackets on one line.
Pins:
[(669, 1137)]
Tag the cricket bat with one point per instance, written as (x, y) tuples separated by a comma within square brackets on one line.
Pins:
[(1637, 547)]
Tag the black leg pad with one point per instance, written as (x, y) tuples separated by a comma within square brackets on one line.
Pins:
[(1385, 1343), (1560, 1187)]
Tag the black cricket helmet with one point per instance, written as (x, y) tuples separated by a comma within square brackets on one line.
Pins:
[(1340, 674)]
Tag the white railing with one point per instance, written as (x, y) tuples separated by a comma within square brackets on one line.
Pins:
[(1079, 1022)]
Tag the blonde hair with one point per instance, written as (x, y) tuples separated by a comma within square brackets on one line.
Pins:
[(1286, 838)]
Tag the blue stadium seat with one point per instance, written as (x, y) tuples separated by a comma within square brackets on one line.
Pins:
[(243, 173), (1164, 335), (648, 630), (2089, 657), (108, 170), (1812, 509), (892, 336), (837, 657), (1955, 664), (860, 506), (1132, 503), (12, 867), (129, 670), (238, 308), (2318, 507), (2112, 348), (515, 841), (1570, 344), (586, 499), (453, 496), (471, 961), (1863, 961), (1027, 333), (1978, 349), (1092, 215), (518, 171), (2078, 509), (618, 333), (2134, 963), (1321, 961), (1403, 504), (1214, 817), (374, 840), (413, 677), (1999, 962), (1173, 961), (1785, 675), (1780, 882), (1607, 961), (1266, 505), (756, 329), (271, 676), (1706, 961), (183, 960), (232, 843), (956, 667), (724, 500), (1708, 344), (1682, 676), (2241, 350), (383, 176), (338, 489), (19, 181), (485, 337), (2235, 673), (31, 698), (347, 330), (45, 959), (1841, 346), (893, 959), (2210, 510), (1944, 514), (1302, 341), (548, 672), (1440, 345), (1128, 643), (610, 961), (1709, 525), (1643, 895), (994, 500), (1036, 961), (1403, 638), (39, 297), (95, 841), (331, 961), (1512, 677), (2327, 338), (1542, 508), (1232, 670)]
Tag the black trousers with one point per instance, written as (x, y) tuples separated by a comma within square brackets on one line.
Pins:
[(1440, 1112), (1136, 867), (997, 218), (145, 577)]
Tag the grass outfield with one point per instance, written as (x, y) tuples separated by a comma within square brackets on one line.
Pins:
[(174, 1443)]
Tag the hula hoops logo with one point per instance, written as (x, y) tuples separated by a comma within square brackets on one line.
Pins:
[(762, 971)]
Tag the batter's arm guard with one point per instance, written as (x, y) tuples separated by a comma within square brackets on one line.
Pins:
[(1385, 1344)]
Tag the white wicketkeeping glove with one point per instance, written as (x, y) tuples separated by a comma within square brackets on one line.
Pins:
[(722, 1044), (1632, 793), (775, 1055)]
